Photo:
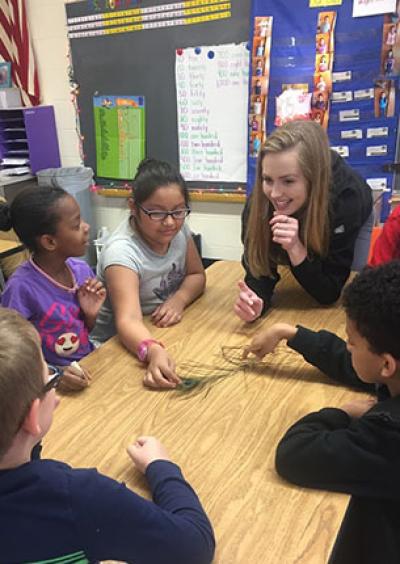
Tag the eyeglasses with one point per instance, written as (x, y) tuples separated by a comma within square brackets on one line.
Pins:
[(158, 215), (55, 376)]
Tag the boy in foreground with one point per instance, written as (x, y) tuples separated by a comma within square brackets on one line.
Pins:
[(51, 512), (354, 449)]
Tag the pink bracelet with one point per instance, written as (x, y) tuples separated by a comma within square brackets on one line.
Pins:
[(143, 348)]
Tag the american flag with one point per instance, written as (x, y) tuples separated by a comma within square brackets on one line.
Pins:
[(15, 47)]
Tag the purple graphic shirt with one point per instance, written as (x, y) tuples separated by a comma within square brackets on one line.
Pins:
[(53, 309)]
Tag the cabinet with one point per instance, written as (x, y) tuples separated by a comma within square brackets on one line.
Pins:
[(28, 140)]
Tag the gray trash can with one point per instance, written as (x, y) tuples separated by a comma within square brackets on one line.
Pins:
[(77, 182)]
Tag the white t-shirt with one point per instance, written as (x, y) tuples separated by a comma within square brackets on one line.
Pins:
[(159, 275)]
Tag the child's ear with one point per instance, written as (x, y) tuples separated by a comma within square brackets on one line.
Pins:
[(47, 242), (31, 423), (389, 367)]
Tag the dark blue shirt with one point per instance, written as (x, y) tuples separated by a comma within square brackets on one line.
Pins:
[(50, 511)]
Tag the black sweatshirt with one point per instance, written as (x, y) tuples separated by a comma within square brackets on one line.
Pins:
[(323, 278), (329, 450)]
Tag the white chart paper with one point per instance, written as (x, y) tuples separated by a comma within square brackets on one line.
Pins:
[(212, 104), (372, 7)]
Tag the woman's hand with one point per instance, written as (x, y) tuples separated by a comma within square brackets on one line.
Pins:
[(265, 341), (160, 372), (248, 306), (169, 313), (285, 232)]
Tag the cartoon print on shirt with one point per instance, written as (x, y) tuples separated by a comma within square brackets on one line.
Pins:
[(67, 344), (169, 283), (63, 323)]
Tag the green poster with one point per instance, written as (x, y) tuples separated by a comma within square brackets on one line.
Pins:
[(120, 135)]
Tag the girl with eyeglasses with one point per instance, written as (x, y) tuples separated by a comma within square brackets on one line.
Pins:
[(54, 290), (150, 266)]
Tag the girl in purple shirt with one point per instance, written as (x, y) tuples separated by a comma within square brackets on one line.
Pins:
[(57, 293)]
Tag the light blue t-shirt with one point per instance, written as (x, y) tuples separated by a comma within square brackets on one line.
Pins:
[(159, 275)]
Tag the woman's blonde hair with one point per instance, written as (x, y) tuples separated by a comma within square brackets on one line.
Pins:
[(21, 373), (314, 158)]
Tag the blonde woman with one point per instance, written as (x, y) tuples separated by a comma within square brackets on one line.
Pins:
[(306, 211)]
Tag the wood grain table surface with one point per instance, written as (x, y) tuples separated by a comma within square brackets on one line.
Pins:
[(223, 436)]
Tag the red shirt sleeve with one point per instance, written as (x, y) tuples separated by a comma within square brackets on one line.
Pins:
[(387, 246)]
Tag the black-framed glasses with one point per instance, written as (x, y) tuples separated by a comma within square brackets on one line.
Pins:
[(55, 375), (158, 215)]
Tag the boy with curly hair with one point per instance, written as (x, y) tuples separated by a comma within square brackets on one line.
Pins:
[(354, 449)]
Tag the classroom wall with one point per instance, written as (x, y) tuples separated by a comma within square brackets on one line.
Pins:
[(219, 224)]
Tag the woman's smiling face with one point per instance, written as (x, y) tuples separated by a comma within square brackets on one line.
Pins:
[(283, 182)]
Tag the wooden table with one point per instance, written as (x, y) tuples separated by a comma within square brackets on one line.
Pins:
[(8, 248), (224, 437)]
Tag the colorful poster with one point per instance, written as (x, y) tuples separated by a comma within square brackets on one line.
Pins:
[(384, 98), (260, 68), (372, 7), (212, 100), (120, 135), (188, 12), (325, 51), (323, 3), (390, 50)]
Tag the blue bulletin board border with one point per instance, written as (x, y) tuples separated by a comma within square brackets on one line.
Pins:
[(358, 43)]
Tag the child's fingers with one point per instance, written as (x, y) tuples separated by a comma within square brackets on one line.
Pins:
[(93, 285), (76, 369), (156, 313), (89, 282), (72, 382), (246, 352), (143, 439), (254, 349), (170, 318), (87, 375), (158, 380), (156, 317)]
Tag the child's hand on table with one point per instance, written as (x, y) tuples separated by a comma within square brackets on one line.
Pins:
[(169, 313), (75, 378), (248, 305), (358, 408), (160, 372), (145, 451), (265, 341)]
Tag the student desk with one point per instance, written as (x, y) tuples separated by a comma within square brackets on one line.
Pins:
[(224, 437), (8, 248)]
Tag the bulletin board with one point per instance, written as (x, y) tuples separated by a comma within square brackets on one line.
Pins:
[(357, 60), (142, 63)]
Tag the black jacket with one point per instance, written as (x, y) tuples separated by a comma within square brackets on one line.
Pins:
[(323, 278), (331, 451)]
